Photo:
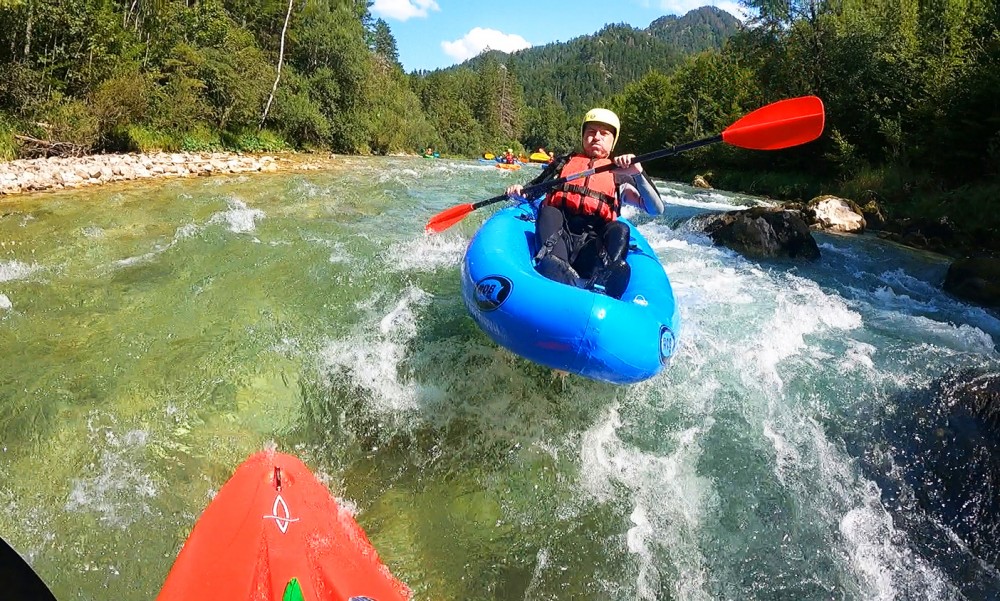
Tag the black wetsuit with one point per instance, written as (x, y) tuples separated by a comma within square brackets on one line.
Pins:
[(574, 246)]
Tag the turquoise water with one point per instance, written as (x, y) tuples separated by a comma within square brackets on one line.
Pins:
[(154, 336)]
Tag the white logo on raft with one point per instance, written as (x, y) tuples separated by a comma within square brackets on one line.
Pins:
[(283, 519)]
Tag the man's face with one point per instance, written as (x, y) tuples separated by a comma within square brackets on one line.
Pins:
[(597, 140)]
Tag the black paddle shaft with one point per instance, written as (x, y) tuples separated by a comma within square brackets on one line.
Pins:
[(18, 580), (649, 156)]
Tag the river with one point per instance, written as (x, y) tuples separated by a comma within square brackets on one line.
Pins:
[(155, 335)]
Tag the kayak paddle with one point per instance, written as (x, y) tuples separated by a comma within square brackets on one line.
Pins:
[(18, 580), (775, 126)]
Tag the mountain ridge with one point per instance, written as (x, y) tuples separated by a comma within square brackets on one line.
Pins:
[(588, 68)]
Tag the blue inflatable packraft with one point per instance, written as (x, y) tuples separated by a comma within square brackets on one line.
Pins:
[(566, 327)]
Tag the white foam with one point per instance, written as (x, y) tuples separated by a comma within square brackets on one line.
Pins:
[(427, 253), (541, 563), (825, 483), (370, 357), (240, 218), (398, 176), (961, 338), (15, 270), (5, 302), (857, 355), (184, 231), (115, 487), (800, 308), (669, 501), (887, 568)]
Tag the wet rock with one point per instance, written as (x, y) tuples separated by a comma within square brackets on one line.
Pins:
[(701, 182), (875, 218), (975, 279), (938, 235), (942, 466), (835, 214), (763, 232)]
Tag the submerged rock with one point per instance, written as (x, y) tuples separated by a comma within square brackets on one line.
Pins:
[(942, 466)]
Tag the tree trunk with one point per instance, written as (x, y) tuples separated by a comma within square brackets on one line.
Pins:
[(281, 59), (27, 30)]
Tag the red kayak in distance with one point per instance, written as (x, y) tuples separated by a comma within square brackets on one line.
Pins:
[(275, 533)]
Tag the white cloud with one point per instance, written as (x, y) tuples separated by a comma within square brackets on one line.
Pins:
[(401, 10), (479, 39)]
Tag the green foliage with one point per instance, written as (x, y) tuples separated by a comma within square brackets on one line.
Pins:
[(705, 28), (202, 139), (8, 147), (585, 71), (68, 121), (548, 126), (23, 89), (142, 139), (297, 115), (328, 47), (237, 80), (383, 45), (782, 185), (255, 141), (118, 103), (644, 108), (398, 122)]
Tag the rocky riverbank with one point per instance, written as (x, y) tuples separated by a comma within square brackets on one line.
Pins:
[(36, 175)]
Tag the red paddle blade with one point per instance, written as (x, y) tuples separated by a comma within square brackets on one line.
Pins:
[(778, 125), (447, 218)]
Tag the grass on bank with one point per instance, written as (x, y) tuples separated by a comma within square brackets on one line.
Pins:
[(8, 148), (144, 139)]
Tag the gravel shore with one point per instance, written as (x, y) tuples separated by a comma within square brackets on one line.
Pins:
[(25, 176)]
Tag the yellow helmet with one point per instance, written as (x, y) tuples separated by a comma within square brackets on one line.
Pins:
[(603, 116)]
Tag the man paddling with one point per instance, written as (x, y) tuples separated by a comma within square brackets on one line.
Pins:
[(577, 232)]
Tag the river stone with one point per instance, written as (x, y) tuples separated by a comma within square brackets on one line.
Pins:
[(944, 443), (875, 218), (763, 232), (835, 214), (975, 279)]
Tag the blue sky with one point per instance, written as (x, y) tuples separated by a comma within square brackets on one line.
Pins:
[(432, 34)]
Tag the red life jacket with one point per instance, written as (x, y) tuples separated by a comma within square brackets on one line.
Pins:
[(592, 195)]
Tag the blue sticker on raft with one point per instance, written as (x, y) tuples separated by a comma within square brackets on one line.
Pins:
[(667, 343), (492, 291)]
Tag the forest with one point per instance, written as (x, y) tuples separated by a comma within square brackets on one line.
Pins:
[(909, 87)]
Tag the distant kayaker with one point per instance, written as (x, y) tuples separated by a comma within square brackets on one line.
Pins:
[(509, 157), (576, 231)]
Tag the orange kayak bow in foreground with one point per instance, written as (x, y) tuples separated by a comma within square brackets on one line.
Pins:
[(274, 533)]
